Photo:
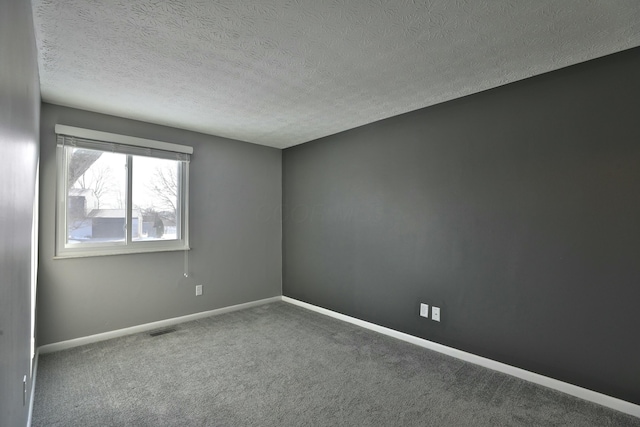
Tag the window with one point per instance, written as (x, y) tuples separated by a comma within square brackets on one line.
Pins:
[(119, 194)]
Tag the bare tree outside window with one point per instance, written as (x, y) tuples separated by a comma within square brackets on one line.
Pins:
[(80, 162), (94, 186), (165, 187), (98, 180), (156, 195)]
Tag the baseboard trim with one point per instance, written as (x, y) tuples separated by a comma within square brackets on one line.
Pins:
[(63, 345), (573, 390), (33, 388)]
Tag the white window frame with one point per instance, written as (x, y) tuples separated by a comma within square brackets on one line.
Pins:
[(63, 250)]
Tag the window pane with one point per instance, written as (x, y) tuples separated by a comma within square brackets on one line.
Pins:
[(156, 197), (95, 196)]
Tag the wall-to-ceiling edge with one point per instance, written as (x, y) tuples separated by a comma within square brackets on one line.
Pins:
[(514, 210), (19, 127)]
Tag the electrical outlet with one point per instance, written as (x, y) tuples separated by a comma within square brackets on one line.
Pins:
[(435, 313), (424, 310), (198, 290)]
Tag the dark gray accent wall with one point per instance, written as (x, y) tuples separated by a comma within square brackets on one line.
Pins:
[(19, 126), (515, 210), (235, 239)]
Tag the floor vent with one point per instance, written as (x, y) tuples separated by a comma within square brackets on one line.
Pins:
[(162, 332)]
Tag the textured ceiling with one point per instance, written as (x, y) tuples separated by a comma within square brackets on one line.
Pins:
[(284, 72)]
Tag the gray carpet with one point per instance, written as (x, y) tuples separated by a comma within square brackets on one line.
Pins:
[(280, 365)]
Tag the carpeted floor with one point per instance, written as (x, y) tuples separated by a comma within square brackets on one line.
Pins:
[(281, 365)]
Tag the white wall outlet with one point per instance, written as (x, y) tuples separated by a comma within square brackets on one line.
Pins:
[(424, 310), (198, 290), (435, 313)]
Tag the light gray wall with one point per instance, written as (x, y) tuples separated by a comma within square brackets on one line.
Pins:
[(516, 210), (235, 239), (19, 126)]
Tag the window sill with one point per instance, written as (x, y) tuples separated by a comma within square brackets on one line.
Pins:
[(128, 251)]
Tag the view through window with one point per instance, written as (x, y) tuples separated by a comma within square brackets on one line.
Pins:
[(119, 200)]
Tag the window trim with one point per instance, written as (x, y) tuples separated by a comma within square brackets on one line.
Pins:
[(129, 246)]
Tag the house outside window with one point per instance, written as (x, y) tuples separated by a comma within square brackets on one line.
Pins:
[(118, 194)]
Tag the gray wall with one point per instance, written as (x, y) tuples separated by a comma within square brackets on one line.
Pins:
[(236, 244), (19, 125), (516, 210)]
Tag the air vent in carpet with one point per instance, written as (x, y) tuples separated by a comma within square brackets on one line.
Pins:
[(162, 332)]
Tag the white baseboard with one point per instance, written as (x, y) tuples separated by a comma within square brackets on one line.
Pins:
[(573, 390), (33, 388), (63, 345)]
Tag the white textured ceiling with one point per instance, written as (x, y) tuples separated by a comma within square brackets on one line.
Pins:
[(284, 72)]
